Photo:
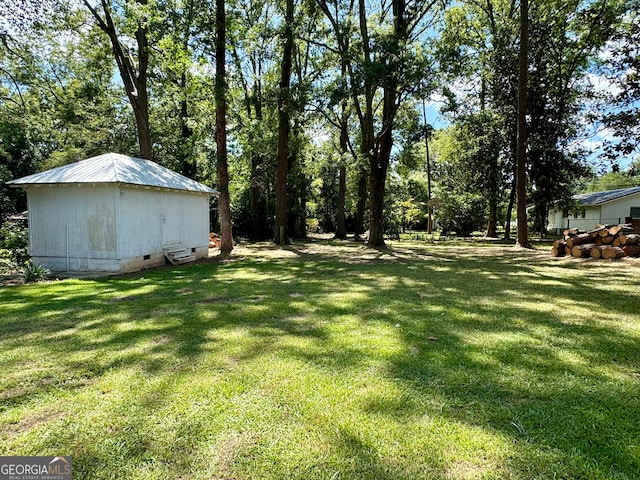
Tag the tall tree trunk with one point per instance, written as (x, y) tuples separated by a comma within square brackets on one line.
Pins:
[(493, 196), (380, 160), (296, 191), (302, 219), (427, 131), (224, 204), (377, 183), (365, 117), (378, 172), (341, 228), (258, 214), (521, 172), (492, 226), (141, 113), (509, 214), (343, 41), (361, 206), (256, 230), (187, 165), (139, 96), (133, 77), (284, 127)]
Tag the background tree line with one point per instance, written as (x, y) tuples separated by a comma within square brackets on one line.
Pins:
[(308, 113)]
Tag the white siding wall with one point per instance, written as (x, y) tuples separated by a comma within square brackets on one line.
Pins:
[(619, 209), (112, 228), (152, 218), (73, 225), (555, 221), (139, 231), (195, 222), (558, 222), (589, 222), (608, 213)]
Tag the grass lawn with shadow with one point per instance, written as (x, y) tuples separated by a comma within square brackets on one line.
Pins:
[(329, 360)]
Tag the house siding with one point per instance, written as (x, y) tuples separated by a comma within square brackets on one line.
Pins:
[(72, 227), (113, 227), (150, 219), (613, 212), (558, 222), (617, 211)]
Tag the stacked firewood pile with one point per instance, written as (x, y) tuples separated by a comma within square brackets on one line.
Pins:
[(608, 242), (214, 240)]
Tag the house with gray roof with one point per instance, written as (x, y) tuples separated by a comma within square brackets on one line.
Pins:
[(598, 208), (115, 213)]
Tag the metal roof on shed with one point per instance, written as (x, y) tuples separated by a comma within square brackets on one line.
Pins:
[(598, 198), (114, 168)]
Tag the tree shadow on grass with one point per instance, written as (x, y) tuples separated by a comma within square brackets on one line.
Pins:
[(472, 344), (561, 387)]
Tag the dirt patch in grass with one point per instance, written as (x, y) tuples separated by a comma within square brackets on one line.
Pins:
[(231, 448), (466, 470), (30, 422), (214, 300), (126, 298)]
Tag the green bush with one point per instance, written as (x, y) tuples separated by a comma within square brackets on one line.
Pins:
[(34, 273), (15, 238), (462, 214)]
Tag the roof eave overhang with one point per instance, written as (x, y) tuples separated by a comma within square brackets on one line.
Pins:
[(120, 184)]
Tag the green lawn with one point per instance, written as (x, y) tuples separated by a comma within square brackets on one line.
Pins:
[(331, 361)]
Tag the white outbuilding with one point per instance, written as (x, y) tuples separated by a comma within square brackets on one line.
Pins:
[(598, 208), (115, 213)]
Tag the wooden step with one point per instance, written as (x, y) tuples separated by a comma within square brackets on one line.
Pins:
[(189, 259), (177, 254)]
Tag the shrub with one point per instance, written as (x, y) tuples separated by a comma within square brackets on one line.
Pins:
[(15, 238), (34, 273), (462, 214)]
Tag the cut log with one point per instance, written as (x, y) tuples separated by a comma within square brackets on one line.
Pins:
[(615, 229), (611, 253), (604, 242), (631, 239), (582, 251), (632, 250), (559, 248), (581, 239), (596, 251), (608, 240)]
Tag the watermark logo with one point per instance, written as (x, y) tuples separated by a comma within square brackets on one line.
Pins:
[(35, 468)]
